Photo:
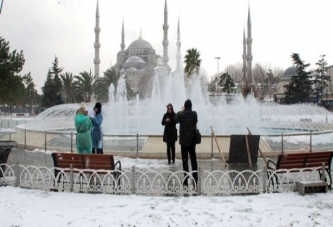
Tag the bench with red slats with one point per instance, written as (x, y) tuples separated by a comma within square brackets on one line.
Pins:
[(295, 161)]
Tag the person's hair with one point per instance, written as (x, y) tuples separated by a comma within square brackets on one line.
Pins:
[(169, 105)]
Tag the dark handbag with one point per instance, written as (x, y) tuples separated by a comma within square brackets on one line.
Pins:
[(197, 136)]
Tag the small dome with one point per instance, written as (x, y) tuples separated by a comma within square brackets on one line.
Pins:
[(140, 44), (290, 71), (134, 59), (132, 69)]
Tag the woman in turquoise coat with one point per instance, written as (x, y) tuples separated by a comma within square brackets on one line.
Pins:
[(83, 124)]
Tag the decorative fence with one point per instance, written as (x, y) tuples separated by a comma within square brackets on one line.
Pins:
[(164, 183)]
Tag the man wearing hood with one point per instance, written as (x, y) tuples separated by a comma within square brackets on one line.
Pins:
[(96, 131), (188, 122)]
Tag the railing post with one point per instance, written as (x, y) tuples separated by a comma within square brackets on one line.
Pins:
[(103, 143), (45, 141), (323, 172), (133, 180), (199, 181), (211, 146), (71, 177), (282, 142), (310, 141), (25, 138), (71, 140), (264, 179), (137, 145), (17, 175)]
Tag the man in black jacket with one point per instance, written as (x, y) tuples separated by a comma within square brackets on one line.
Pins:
[(188, 121)]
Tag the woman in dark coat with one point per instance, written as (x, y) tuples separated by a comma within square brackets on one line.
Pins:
[(169, 122)]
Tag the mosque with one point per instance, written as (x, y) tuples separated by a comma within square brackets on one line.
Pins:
[(140, 60)]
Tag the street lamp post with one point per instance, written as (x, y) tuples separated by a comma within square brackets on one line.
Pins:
[(218, 63)]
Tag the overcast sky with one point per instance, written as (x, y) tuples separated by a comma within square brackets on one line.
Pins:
[(65, 28)]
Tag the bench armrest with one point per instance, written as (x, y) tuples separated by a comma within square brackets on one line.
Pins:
[(117, 163), (271, 165)]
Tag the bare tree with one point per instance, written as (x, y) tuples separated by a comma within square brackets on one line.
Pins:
[(264, 79)]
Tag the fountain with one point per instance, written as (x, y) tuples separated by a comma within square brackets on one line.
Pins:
[(122, 116)]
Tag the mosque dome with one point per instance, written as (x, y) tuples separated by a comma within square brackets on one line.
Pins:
[(132, 69), (135, 59), (140, 44), (290, 71)]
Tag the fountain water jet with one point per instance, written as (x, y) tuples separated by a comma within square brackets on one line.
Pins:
[(144, 116)]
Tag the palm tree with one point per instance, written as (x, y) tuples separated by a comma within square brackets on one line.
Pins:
[(228, 84), (68, 86), (192, 62), (102, 84), (85, 84), (111, 76)]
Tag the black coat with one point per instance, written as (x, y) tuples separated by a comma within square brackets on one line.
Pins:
[(170, 130), (187, 123)]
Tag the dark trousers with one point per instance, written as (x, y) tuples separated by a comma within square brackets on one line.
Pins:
[(185, 151), (98, 151), (171, 151)]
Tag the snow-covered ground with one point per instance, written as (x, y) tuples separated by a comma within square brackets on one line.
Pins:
[(23, 207)]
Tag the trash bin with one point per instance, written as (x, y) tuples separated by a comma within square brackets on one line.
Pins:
[(5, 149)]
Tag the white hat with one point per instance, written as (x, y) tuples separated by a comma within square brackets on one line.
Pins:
[(82, 105)]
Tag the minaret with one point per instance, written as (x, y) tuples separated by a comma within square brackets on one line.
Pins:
[(122, 45), (244, 58), (165, 38), (178, 56), (249, 56), (97, 45)]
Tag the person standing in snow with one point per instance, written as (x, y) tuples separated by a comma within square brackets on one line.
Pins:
[(83, 124), (187, 124), (170, 132), (96, 131)]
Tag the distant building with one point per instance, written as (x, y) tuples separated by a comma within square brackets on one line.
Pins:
[(140, 57), (285, 79)]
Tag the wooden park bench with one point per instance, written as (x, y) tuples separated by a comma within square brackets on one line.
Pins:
[(5, 149), (84, 164), (306, 161)]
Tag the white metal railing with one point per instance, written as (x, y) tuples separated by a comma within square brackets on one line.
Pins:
[(163, 183)]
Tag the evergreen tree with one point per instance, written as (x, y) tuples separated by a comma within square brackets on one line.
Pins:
[(56, 70), (192, 61), (228, 84), (30, 91), (11, 63), (53, 86), (321, 77), (50, 91), (300, 85)]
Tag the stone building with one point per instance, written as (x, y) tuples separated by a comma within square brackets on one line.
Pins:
[(140, 57)]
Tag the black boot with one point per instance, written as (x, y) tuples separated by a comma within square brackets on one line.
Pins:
[(93, 151), (99, 151)]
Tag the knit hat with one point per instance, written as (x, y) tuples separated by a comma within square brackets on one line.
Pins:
[(82, 105), (98, 105), (188, 104)]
